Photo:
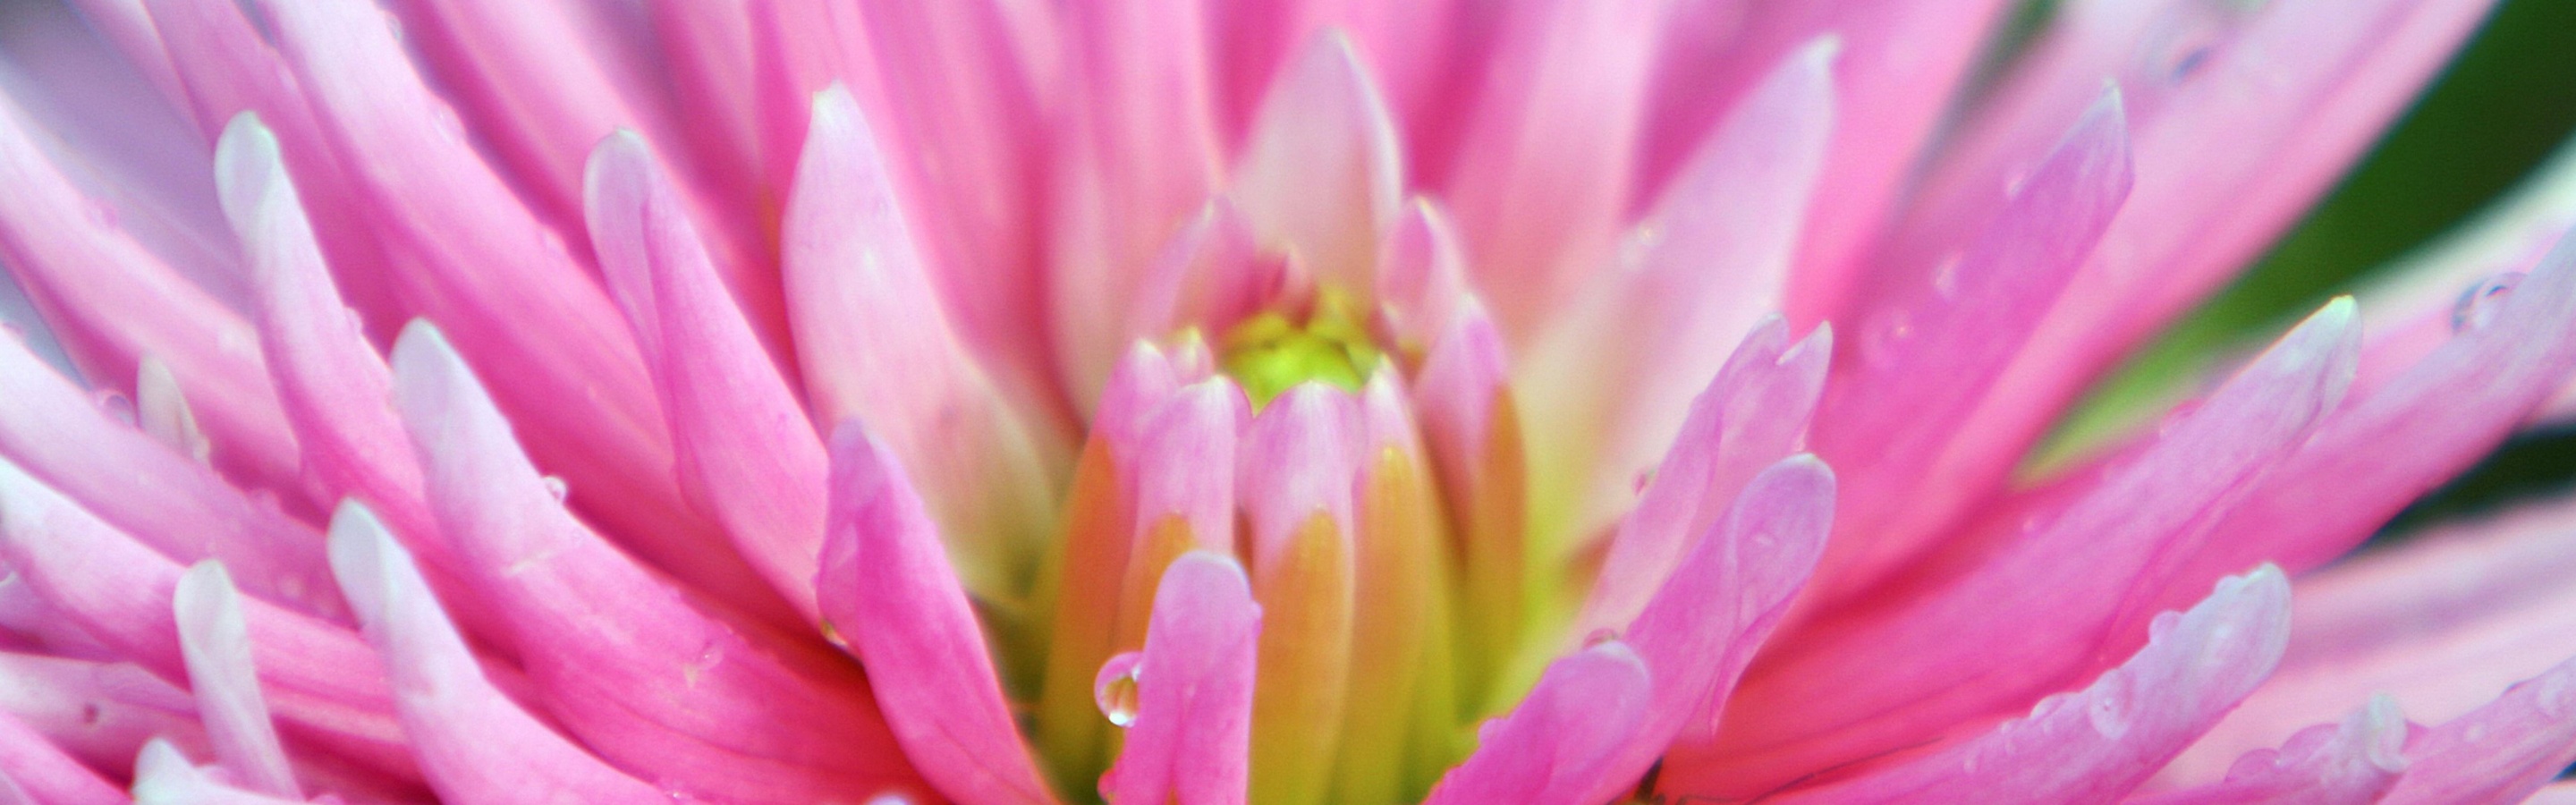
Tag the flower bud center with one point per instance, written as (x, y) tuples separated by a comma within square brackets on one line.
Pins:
[(1268, 353)]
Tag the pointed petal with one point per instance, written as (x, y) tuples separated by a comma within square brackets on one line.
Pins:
[(1709, 260), (320, 679), (1750, 416), (2099, 743), (474, 743), (748, 454), (1703, 627), (1192, 735), (163, 776), (1560, 741), (1320, 172), (1421, 280), (2036, 616), (2500, 753), (1211, 275), (481, 263), (215, 642), (181, 508), (876, 345), (2357, 760), (697, 701), (1934, 352), (161, 410), (887, 588), (1298, 460), (112, 302)]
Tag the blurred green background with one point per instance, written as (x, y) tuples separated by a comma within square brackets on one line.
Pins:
[(2505, 103)]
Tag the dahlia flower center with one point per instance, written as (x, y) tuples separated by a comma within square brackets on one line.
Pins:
[(1268, 352)]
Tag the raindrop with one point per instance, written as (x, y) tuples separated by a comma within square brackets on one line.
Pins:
[(2475, 733), (2478, 305), (1115, 690), (555, 486), (2107, 705), (116, 405), (1945, 278), (1879, 346)]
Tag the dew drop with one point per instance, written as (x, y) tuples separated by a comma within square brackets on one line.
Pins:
[(1115, 689), (555, 486), (2475, 733), (2478, 305), (1945, 277), (2107, 705), (116, 405)]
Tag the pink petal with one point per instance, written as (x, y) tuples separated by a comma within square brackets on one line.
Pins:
[(1707, 262), (1933, 352), (1211, 275), (875, 345), (1182, 458), (1751, 415), (97, 713), (690, 695), (163, 776), (181, 508), (1457, 391), (747, 453), (1191, 740), (888, 588), (1556, 744), (1703, 627), (214, 640), (2097, 744), (1299, 458), (473, 742), (112, 303), (42, 773), (1321, 172), (1542, 175), (1421, 279), (487, 268), (2500, 753), (320, 679), (2357, 760), (2053, 605)]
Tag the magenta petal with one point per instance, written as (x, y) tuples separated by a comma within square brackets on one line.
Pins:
[(887, 589), (1299, 458), (474, 743), (2357, 760), (1749, 417), (97, 713), (215, 642), (686, 695), (1191, 740), (748, 454), (1181, 461), (39, 770), (2500, 753), (1702, 628), (1559, 742), (2097, 744)]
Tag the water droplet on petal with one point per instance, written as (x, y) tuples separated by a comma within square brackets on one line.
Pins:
[(2478, 305), (2553, 695), (2475, 733), (2108, 704), (116, 405), (1115, 689), (1945, 277), (555, 486)]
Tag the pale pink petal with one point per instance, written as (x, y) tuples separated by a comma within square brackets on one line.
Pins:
[(1182, 461), (706, 50), (1321, 172), (1933, 352), (887, 588), (128, 26), (473, 742), (97, 713), (161, 410), (479, 262), (2502, 752), (1421, 279), (2055, 604), (2419, 300), (1556, 744), (2097, 744), (876, 345), (691, 695), (1722, 601), (748, 454), (40, 771), (163, 776), (1750, 416), (214, 640), (2386, 447), (2355, 760), (181, 508), (1191, 738), (2239, 118), (1457, 391), (111, 302), (1542, 172), (1706, 264), (320, 679), (1211, 275), (1299, 458)]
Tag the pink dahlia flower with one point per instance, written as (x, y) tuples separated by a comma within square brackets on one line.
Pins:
[(1539, 401)]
